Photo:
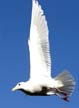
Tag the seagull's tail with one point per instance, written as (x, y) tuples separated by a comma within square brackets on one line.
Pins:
[(68, 85)]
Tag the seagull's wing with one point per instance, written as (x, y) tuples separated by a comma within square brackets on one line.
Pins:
[(40, 61)]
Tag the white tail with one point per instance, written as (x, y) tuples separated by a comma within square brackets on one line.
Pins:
[(68, 84)]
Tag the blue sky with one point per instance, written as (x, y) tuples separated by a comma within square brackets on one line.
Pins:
[(63, 23)]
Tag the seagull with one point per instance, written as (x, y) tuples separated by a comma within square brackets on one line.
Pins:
[(41, 82)]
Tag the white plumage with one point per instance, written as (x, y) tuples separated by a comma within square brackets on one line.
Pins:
[(41, 82), (40, 61)]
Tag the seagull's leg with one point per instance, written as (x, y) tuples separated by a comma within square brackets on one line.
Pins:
[(63, 97), (57, 91), (66, 99), (60, 93)]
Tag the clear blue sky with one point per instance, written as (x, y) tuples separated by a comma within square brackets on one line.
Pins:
[(63, 22)]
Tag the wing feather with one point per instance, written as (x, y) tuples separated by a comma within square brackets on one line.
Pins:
[(40, 60)]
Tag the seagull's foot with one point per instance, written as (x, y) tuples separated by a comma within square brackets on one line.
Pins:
[(62, 95), (66, 99)]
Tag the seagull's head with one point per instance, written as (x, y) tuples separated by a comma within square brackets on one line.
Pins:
[(19, 86), (24, 87)]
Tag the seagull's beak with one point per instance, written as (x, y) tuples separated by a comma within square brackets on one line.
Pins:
[(14, 89)]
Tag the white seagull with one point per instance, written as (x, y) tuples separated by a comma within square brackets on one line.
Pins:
[(41, 82)]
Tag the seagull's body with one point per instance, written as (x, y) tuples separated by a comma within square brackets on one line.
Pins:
[(41, 82)]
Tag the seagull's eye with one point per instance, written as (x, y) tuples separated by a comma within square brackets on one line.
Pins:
[(19, 84)]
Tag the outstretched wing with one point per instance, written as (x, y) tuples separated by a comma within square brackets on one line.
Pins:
[(40, 61)]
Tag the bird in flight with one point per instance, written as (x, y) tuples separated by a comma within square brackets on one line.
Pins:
[(41, 82)]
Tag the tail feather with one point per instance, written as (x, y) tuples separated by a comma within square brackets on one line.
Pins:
[(68, 83)]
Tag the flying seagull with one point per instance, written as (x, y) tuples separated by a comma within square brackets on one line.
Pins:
[(41, 82)]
